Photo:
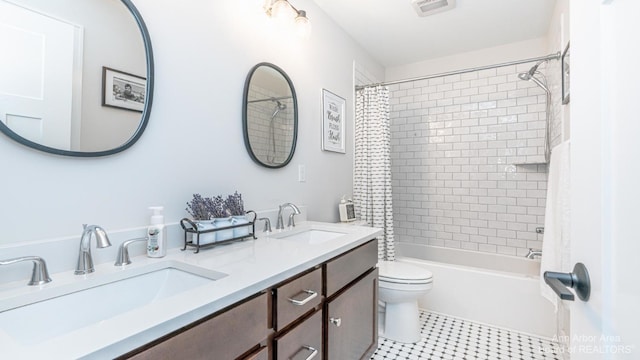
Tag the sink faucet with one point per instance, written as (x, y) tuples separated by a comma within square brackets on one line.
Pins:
[(296, 211), (533, 253), (39, 274), (85, 261), (267, 224), (123, 251)]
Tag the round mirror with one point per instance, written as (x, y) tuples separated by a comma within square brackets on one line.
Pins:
[(269, 116), (79, 80)]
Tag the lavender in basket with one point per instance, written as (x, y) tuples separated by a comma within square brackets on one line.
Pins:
[(216, 207), (234, 204), (197, 208)]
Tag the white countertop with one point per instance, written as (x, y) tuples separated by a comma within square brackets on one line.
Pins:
[(251, 266)]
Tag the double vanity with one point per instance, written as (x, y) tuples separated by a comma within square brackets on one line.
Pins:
[(309, 292)]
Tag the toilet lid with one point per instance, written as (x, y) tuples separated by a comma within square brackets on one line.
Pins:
[(393, 271)]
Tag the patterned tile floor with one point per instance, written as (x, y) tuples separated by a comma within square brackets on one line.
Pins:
[(451, 338)]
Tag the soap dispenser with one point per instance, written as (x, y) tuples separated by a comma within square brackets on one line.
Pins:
[(156, 236)]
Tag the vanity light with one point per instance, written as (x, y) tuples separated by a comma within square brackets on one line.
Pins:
[(303, 25), (284, 12)]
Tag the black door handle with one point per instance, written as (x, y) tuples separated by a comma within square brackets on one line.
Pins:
[(578, 280)]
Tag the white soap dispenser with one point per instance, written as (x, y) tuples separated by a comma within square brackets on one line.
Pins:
[(156, 236)]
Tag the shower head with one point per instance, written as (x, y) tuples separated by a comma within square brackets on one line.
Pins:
[(279, 107), (529, 76), (526, 76)]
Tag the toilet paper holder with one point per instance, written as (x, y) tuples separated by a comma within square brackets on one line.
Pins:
[(578, 280)]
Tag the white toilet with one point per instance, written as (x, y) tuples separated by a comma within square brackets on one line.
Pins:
[(400, 286)]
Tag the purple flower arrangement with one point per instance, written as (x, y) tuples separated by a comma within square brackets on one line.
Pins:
[(205, 208), (234, 204)]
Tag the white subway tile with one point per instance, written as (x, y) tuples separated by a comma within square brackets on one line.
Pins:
[(457, 137)]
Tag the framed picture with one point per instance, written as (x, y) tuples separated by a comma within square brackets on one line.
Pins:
[(123, 90), (565, 75), (333, 122)]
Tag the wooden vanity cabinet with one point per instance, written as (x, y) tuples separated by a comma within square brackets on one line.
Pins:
[(326, 312), (229, 334)]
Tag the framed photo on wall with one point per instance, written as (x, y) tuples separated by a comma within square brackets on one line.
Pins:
[(123, 90), (565, 75), (333, 122)]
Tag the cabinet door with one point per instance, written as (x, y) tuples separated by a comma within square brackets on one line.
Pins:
[(352, 320), (225, 336)]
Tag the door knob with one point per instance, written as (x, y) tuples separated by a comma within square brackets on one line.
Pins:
[(578, 280), (336, 321)]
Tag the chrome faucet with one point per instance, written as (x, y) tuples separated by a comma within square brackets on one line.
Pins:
[(296, 211), (39, 274), (533, 253), (267, 224), (123, 251), (85, 261)]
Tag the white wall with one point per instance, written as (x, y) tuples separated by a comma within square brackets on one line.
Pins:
[(193, 143), (489, 56)]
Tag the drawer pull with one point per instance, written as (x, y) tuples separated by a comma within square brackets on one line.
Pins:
[(299, 302), (336, 321), (305, 349)]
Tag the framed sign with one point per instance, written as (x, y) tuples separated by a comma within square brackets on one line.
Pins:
[(333, 122), (123, 90)]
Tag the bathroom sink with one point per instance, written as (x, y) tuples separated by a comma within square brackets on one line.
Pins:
[(74, 310), (312, 236)]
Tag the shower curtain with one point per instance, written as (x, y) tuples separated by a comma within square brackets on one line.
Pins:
[(372, 169)]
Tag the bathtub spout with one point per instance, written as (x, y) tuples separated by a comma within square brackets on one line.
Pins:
[(533, 253)]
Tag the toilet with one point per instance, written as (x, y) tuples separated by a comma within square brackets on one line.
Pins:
[(400, 285)]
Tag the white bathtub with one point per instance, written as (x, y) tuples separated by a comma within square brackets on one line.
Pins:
[(497, 290)]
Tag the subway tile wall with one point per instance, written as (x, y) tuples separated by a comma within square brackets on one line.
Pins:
[(467, 161), (271, 136)]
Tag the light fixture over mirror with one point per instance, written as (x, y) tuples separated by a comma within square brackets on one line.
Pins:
[(284, 13), (79, 81)]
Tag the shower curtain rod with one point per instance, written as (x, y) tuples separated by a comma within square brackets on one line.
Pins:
[(555, 56), (270, 99)]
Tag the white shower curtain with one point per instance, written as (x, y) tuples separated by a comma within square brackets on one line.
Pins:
[(372, 170)]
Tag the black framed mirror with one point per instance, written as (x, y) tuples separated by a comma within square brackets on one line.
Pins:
[(269, 116), (80, 78)]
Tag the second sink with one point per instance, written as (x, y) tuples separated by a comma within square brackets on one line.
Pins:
[(313, 236)]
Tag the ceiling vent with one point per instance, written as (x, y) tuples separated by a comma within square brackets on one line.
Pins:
[(430, 7)]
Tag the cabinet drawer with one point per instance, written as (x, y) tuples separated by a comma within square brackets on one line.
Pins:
[(225, 336), (262, 354), (346, 268), (303, 341), (297, 297)]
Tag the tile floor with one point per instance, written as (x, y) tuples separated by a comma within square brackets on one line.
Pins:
[(450, 338)]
